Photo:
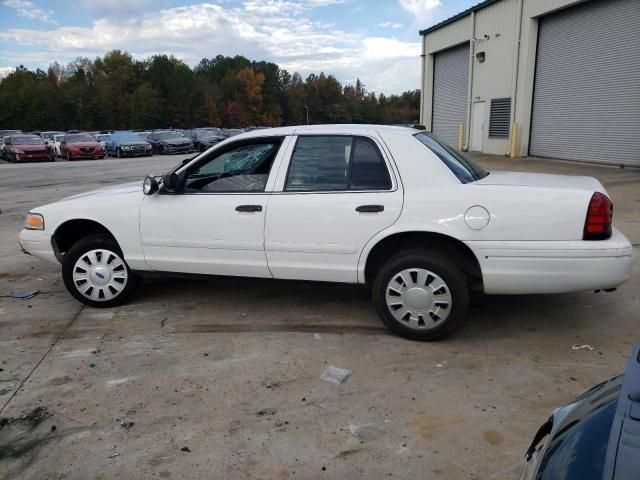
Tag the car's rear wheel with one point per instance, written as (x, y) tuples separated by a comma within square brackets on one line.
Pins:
[(95, 273), (421, 295)]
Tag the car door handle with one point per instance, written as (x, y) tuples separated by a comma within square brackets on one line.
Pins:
[(249, 208), (370, 208)]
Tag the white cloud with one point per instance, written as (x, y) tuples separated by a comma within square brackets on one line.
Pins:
[(389, 25), (109, 7), (27, 9), (421, 10), (5, 71), (276, 30)]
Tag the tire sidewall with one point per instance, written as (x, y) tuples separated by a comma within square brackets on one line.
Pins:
[(81, 247), (441, 266)]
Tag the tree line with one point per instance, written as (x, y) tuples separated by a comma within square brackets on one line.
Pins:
[(119, 92)]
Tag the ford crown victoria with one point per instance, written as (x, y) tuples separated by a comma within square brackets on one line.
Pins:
[(390, 207)]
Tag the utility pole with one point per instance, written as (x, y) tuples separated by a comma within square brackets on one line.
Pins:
[(306, 107)]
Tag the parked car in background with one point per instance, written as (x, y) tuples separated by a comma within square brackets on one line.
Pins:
[(393, 208), (55, 144), (231, 132), (103, 138), (3, 139), (23, 148), (595, 437), (203, 138), (79, 146), (49, 134), (128, 144), (4, 133), (165, 142)]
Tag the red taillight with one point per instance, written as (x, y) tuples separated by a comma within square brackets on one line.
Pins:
[(599, 215)]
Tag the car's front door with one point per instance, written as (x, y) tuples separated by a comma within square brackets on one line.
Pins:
[(336, 194), (216, 224)]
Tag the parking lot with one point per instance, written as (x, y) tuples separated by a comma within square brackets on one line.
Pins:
[(220, 378)]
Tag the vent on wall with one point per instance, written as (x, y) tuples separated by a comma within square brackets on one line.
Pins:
[(499, 118)]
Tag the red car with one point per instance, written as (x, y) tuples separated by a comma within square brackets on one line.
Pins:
[(80, 145), (20, 148)]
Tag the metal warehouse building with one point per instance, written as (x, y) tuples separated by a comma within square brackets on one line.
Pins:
[(548, 78)]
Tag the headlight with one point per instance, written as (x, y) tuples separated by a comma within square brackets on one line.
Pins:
[(125, 147), (19, 152), (34, 221)]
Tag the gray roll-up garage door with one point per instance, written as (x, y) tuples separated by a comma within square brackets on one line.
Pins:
[(586, 103), (450, 92)]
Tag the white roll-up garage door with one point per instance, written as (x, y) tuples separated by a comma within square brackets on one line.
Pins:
[(586, 103), (450, 91)]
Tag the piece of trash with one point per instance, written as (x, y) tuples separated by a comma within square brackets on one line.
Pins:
[(114, 455), (53, 428), (439, 365), (185, 449), (582, 347), (127, 424), (335, 375), (317, 336), (266, 411), (92, 365), (25, 295)]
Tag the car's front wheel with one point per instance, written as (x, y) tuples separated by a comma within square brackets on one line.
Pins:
[(95, 273), (421, 294)]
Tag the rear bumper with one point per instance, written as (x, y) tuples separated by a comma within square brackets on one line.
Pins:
[(38, 244), (554, 267)]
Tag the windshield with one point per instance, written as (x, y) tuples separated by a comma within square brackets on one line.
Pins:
[(167, 135), (462, 166), (57, 138), (102, 138), (48, 135), (80, 137), (27, 140)]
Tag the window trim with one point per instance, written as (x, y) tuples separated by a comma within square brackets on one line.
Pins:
[(392, 184), (222, 149)]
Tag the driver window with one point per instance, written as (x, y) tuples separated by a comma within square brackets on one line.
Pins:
[(244, 168)]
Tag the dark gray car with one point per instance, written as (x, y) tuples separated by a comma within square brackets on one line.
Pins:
[(169, 142), (596, 437)]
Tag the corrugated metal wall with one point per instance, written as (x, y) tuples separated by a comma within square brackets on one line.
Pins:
[(586, 103), (450, 90)]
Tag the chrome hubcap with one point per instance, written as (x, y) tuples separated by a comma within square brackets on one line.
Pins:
[(100, 275), (418, 298)]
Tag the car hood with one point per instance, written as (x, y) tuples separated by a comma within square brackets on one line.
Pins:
[(121, 189), (541, 180)]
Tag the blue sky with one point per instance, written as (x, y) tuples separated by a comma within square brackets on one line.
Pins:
[(376, 41)]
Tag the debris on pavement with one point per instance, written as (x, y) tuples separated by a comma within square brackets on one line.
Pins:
[(127, 424), (114, 455), (185, 449), (335, 375), (266, 411), (25, 295), (582, 347)]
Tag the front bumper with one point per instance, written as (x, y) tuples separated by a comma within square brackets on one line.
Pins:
[(553, 266), (38, 244)]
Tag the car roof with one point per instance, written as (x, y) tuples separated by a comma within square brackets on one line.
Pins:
[(343, 128)]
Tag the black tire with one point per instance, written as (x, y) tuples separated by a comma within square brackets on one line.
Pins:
[(440, 265), (82, 247)]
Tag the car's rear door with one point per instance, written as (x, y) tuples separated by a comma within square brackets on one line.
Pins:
[(216, 226), (334, 192)]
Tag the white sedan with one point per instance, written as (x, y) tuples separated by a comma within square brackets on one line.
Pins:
[(390, 207)]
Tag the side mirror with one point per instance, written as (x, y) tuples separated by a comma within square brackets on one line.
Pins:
[(170, 182), (150, 185)]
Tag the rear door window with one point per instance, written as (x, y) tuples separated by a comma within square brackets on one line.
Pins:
[(336, 163)]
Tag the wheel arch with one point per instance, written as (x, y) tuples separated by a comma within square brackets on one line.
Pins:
[(453, 248), (71, 231)]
